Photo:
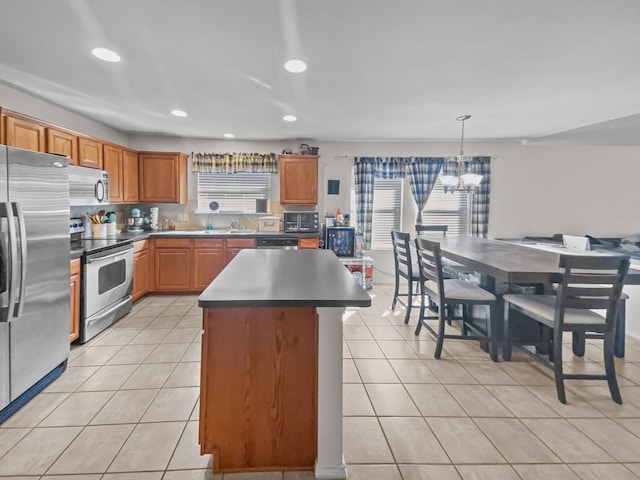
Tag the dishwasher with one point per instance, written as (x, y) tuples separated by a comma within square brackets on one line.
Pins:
[(277, 243)]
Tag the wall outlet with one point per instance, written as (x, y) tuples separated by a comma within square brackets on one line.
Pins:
[(180, 217), (185, 217)]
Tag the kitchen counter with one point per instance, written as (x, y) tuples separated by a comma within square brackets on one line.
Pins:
[(122, 238), (272, 359)]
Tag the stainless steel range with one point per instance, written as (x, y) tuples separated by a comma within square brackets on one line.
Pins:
[(107, 283)]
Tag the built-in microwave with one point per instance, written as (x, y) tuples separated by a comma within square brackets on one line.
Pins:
[(300, 222), (88, 186)]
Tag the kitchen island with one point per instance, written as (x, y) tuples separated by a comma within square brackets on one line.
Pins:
[(271, 372)]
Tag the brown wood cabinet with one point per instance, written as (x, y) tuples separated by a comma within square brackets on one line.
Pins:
[(173, 261), (90, 152), (234, 245), (141, 266), (308, 243), (112, 162), (208, 261), (163, 177), (63, 143), (23, 132), (74, 291), (130, 176), (298, 179)]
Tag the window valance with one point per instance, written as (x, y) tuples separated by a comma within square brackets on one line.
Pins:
[(234, 162)]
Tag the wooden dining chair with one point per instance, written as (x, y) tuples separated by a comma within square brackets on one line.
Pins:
[(589, 283), (404, 268), (420, 229), (447, 294)]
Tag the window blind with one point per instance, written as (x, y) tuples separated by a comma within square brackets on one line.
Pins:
[(236, 193), (447, 209)]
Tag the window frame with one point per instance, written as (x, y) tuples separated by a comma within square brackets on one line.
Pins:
[(230, 192)]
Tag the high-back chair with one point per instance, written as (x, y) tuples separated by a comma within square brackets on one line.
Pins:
[(420, 229), (447, 293), (404, 268), (588, 283)]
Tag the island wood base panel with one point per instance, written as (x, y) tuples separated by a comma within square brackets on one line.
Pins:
[(258, 393)]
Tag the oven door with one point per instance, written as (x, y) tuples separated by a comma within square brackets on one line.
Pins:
[(108, 277)]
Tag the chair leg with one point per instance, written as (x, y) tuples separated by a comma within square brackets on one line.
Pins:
[(421, 314), (610, 368), (557, 366), (491, 334), (507, 348), (578, 343), (441, 320), (395, 293), (409, 301)]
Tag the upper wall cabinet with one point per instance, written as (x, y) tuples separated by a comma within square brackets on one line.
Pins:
[(112, 162), (90, 152), (129, 176), (298, 179), (63, 143), (163, 177), (23, 132)]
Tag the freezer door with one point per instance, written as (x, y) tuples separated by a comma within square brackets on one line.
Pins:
[(38, 186), (4, 295)]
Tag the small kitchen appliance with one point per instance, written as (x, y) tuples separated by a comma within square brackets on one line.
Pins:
[(302, 222), (135, 221), (269, 224)]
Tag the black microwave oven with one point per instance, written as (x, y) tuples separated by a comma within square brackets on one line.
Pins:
[(305, 222)]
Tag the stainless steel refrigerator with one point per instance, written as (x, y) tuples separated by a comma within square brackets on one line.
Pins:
[(34, 273)]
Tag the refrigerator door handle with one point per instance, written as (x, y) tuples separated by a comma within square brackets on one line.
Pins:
[(10, 259), (23, 258)]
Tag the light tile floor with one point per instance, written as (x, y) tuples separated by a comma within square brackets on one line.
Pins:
[(127, 408)]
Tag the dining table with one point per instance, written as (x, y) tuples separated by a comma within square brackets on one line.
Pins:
[(505, 265)]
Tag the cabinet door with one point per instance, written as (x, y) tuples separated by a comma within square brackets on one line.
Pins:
[(207, 264), (172, 269), (112, 163), (308, 243), (24, 133), (163, 177), (140, 274), (74, 291), (90, 152), (130, 176), (63, 143), (298, 179)]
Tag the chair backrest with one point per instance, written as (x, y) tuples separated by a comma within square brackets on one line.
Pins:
[(591, 282), (420, 229), (402, 252), (430, 266)]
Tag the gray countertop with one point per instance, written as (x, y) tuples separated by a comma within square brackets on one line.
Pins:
[(122, 238), (284, 278)]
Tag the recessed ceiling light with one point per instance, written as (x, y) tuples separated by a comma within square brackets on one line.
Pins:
[(295, 66), (290, 118), (178, 113), (106, 54), (228, 135)]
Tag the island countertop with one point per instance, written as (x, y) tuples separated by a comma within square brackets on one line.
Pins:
[(284, 278)]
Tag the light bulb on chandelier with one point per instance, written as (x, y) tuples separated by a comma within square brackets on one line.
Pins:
[(468, 180)]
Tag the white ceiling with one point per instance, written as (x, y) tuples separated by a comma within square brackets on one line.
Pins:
[(378, 69)]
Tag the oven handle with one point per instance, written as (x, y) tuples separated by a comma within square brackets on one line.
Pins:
[(101, 258)]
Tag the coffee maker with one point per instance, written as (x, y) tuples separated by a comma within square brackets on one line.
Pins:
[(135, 221)]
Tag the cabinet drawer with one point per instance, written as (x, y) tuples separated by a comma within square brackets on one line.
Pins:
[(140, 245), (308, 242), (172, 242), (75, 266), (241, 242), (208, 243)]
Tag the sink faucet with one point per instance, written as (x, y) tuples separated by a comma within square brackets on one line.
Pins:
[(235, 224)]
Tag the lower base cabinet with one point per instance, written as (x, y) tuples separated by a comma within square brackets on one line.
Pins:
[(141, 265), (74, 290)]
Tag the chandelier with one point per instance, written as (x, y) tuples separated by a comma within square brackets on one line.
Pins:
[(467, 180)]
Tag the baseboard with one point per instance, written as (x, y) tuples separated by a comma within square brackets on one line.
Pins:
[(330, 471)]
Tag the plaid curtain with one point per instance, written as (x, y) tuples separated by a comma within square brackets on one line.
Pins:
[(390, 167), (234, 162), (480, 205), (364, 177), (423, 173)]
